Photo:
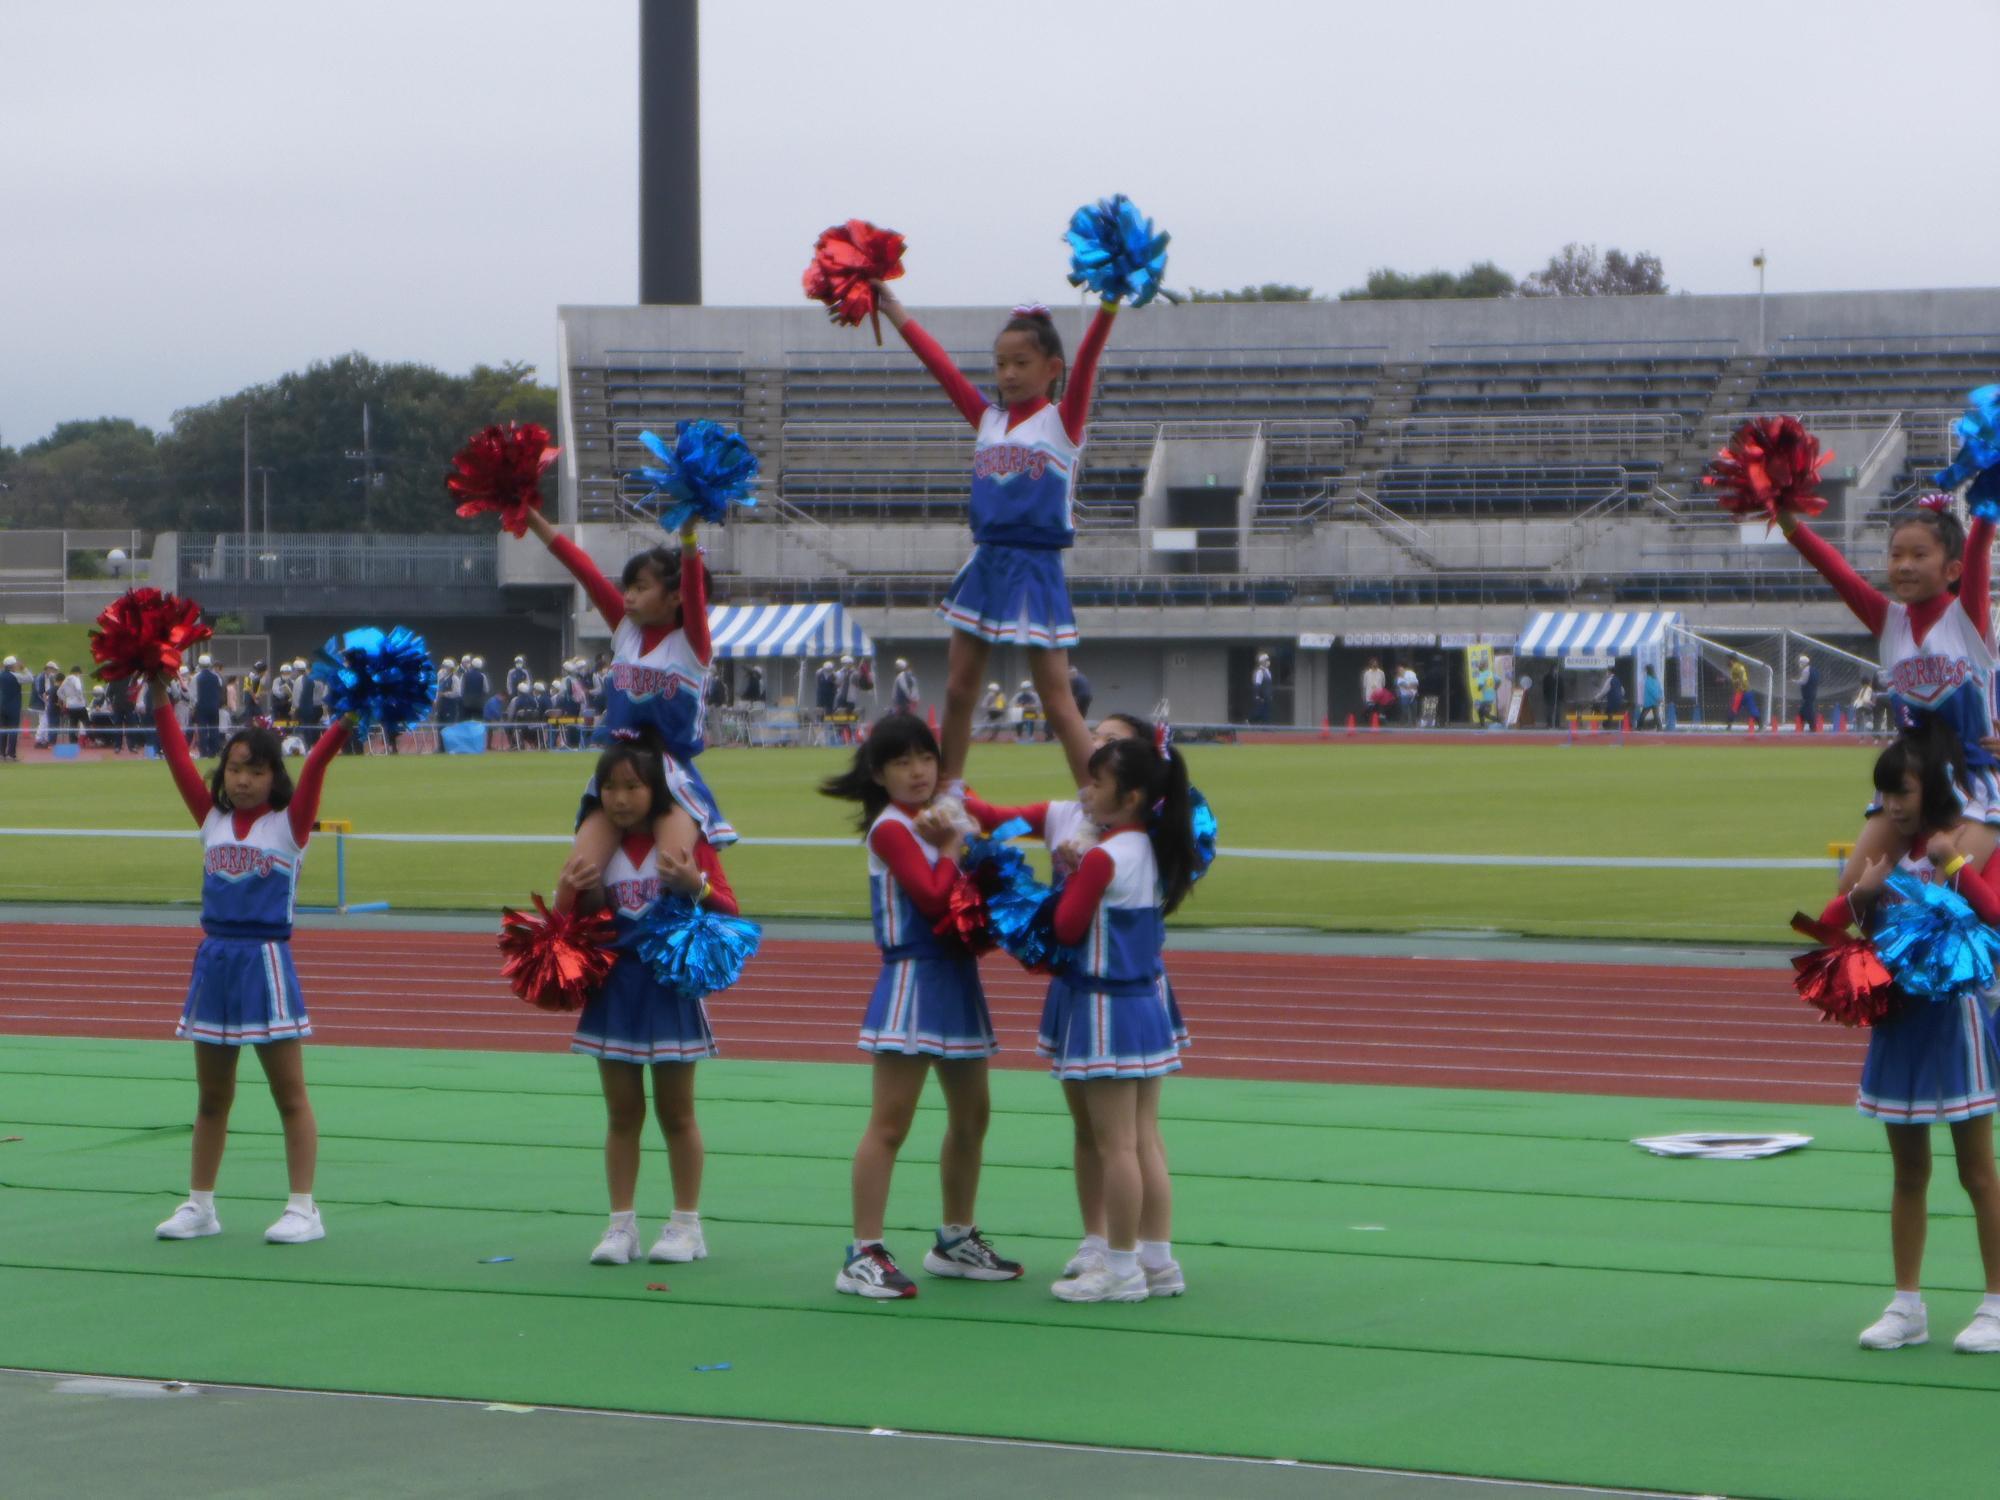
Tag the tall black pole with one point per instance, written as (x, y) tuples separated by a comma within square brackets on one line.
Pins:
[(669, 152)]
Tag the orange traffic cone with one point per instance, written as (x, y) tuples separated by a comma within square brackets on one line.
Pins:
[(1326, 726)]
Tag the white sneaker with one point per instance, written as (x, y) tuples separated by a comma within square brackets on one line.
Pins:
[(619, 1247), (1087, 1258), (1897, 1329), (190, 1222), (296, 1226), (1102, 1284), (1981, 1335), (1165, 1281), (679, 1242)]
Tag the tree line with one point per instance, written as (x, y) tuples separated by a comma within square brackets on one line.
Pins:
[(1574, 271), (305, 428)]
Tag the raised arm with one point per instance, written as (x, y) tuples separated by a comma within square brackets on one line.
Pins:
[(1075, 406), (303, 809), (1081, 893), (1860, 596), (927, 885), (964, 394), (989, 817), (1975, 583), (694, 598), (603, 592), (174, 747)]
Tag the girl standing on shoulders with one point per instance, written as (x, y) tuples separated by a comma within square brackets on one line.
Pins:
[(245, 990), (1024, 467), (927, 1012), (634, 1022)]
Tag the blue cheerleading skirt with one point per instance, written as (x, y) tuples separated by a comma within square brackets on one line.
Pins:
[(1933, 1060), (244, 992), (1094, 1029), (633, 1018), (686, 786), (1014, 595), (929, 1007)]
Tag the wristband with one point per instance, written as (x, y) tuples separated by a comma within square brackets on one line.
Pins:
[(1958, 863), (702, 894)]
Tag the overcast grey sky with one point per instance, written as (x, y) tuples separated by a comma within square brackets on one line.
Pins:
[(202, 194)]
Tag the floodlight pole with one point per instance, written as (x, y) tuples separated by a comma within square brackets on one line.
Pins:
[(1757, 260), (669, 153)]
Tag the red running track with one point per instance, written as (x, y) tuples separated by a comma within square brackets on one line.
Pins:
[(1449, 1023)]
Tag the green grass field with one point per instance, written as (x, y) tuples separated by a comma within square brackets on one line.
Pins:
[(1716, 801), (65, 645)]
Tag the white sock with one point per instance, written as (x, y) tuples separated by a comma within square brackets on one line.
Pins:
[(1095, 1242), (1156, 1255), (1990, 1303), (857, 1247), (303, 1202), (626, 1219), (1123, 1262), (1909, 1302), (688, 1216), (948, 1232), (202, 1198)]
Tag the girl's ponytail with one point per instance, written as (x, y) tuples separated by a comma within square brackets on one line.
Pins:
[(1156, 771)]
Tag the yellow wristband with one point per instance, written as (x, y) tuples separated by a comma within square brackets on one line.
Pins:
[(1958, 863), (702, 894)]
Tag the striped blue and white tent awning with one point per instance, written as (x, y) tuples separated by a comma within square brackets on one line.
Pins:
[(787, 630), (1576, 632)]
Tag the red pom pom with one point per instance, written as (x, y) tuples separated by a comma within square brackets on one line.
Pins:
[(846, 258), (556, 959), (501, 469), (1770, 467), (965, 920), (144, 632), (1843, 979)]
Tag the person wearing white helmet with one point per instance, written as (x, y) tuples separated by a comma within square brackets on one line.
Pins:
[(473, 688), (1027, 710), (445, 709), (518, 677), (903, 695), (11, 681), (995, 704), (43, 695), (1808, 694)]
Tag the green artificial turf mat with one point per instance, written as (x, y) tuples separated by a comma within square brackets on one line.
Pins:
[(1470, 1282)]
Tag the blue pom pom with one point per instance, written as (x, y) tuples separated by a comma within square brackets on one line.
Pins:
[(1115, 252), (708, 469), (1204, 833), (385, 678), (1979, 448), (693, 951), (1934, 943), (1020, 910)]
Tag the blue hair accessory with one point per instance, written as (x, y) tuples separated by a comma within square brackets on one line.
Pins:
[(1205, 831), (1115, 252), (693, 951), (708, 469), (1978, 456), (382, 677), (1933, 942)]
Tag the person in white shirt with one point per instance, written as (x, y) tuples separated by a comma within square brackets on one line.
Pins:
[(75, 703), (1260, 690), (1374, 687), (1406, 692)]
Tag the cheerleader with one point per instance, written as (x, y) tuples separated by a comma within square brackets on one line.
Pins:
[(245, 990), (1024, 467), (1106, 1025), (633, 1022), (1930, 1061), (1070, 834), (1936, 639), (658, 614), (927, 1011)]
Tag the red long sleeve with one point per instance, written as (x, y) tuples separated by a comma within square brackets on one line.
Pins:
[(603, 592), (694, 604), (1870, 607), (187, 775), (303, 809), (1075, 408), (720, 897), (964, 394), (1975, 582), (1976, 886), (1838, 913), (927, 885), (989, 817), (1081, 893)]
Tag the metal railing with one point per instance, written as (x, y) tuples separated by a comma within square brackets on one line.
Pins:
[(1720, 425), (341, 559), (1571, 350), (1888, 343), (1610, 435)]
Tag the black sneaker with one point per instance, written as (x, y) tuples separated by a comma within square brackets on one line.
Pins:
[(970, 1257), (872, 1272)]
